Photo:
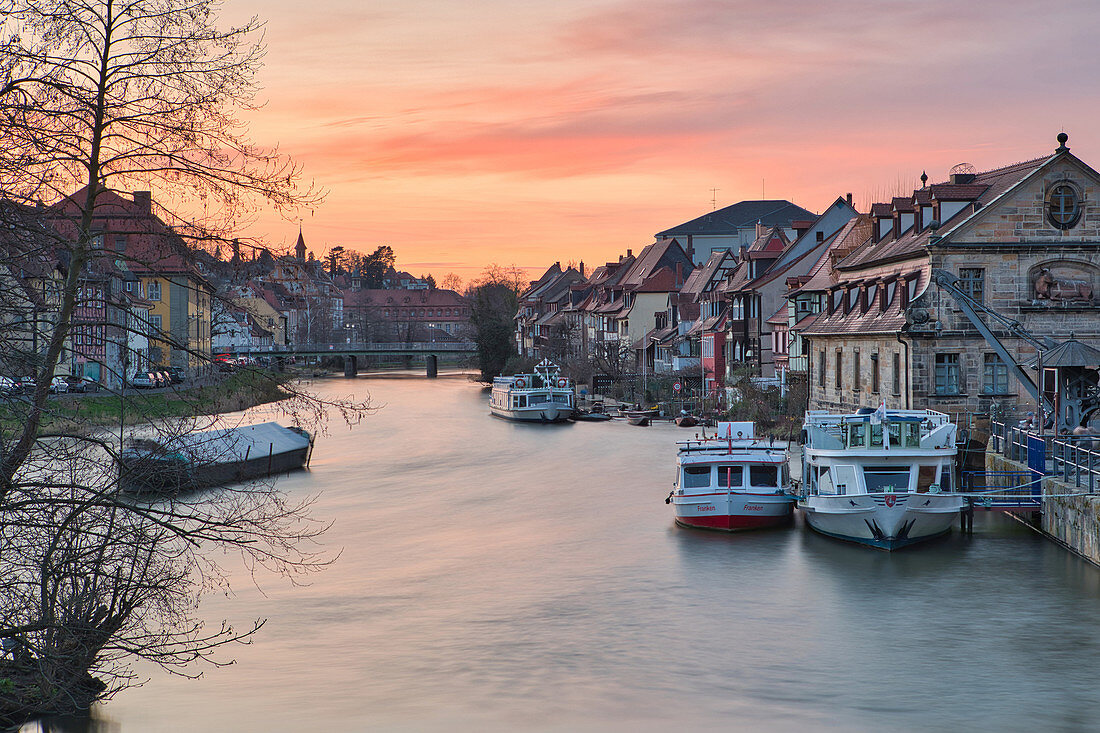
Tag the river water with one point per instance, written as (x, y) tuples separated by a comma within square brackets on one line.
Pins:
[(504, 577)]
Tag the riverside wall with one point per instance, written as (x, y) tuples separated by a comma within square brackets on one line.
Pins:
[(1071, 521)]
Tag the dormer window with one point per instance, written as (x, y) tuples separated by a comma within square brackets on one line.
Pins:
[(872, 291), (888, 293), (853, 298), (1063, 206)]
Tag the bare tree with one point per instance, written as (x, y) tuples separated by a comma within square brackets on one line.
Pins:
[(98, 96)]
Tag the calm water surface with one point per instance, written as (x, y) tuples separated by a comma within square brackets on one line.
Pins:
[(504, 577)]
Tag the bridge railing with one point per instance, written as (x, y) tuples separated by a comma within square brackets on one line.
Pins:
[(323, 347)]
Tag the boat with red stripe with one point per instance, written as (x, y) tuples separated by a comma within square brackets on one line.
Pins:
[(732, 480)]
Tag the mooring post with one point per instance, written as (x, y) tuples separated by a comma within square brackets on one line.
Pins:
[(433, 366), (351, 365)]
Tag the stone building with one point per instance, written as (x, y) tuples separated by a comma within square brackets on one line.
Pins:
[(1022, 240)]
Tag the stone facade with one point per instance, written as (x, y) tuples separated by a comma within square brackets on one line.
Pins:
[(1025, 244)]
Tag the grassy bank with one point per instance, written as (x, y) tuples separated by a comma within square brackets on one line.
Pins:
[(231, 393)]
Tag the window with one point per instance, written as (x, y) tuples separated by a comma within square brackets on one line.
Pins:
[(947, 374), (802, 306), (1063, 206), (120, 243), (696, 477), (821, 236), (874, 373), (972, 282), (892, 479), (855, 370), (764, 476), (729, 476), (154, 290), (129, 286), (890, 288), (154, 322), (897, 373), (872, 293), (839, 366), (821, 368), (994, 375)]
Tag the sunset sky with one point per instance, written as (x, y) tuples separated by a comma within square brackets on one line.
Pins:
[(520, 132)]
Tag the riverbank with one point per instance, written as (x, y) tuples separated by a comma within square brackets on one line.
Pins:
[(226, 393)]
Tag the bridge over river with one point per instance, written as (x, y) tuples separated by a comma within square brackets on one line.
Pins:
[(351, 351)]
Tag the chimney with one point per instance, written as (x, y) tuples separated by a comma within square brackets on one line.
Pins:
[(582, 268), (759, 228), (679, 274), (630, 253), (691, 249), (143, 200), (848, 198), (558, 264)]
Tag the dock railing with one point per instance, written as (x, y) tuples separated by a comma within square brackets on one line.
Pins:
[(1073, 459)]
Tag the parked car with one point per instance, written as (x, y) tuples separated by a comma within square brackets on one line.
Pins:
[(82, 384), (143, 380), (7, 386), (58, 385), (164, 378), (25, 385), (178, 375)]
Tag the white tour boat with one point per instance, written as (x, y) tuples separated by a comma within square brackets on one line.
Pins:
[(731, 481), (882, 478), (544, 396)]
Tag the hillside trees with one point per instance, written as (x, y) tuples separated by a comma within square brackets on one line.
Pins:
[(97, 96)]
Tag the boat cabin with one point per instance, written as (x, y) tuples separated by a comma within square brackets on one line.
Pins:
[(761, 478), (889, 452)]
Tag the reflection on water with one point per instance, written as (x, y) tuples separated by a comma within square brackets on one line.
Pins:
[(500, 576)]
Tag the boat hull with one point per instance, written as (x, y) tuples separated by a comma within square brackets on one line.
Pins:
[(543, 413), (733, 512), (886, 522)]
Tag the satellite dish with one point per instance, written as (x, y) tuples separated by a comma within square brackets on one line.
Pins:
[(963, 168)]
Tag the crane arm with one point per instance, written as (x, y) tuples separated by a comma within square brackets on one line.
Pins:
[(971, 308)]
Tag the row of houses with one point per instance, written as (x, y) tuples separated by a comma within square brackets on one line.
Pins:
[(865, 307), (153, 295)]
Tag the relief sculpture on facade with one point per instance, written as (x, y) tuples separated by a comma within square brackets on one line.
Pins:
[(1065, 283)]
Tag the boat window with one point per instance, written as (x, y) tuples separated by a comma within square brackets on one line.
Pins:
[(910, 435), (945, 478), (876, 436), (925, 476), (886, 479), (563, 398), (857, 434), (825, 480), (696, 477), (537, 398), (764, 476), (729, 476)]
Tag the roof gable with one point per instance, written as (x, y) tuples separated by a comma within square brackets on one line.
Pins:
[(730, 219)]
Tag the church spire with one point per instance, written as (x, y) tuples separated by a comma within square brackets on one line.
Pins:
[(300, 248)]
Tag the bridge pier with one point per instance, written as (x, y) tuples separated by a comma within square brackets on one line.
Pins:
[(351, 365), (433, 366)]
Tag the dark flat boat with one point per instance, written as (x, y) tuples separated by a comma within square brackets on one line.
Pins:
[(592, 416), (212, 458), (686, 421), (639, 420)]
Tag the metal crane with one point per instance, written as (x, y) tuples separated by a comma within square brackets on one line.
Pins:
[(971, 307)]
